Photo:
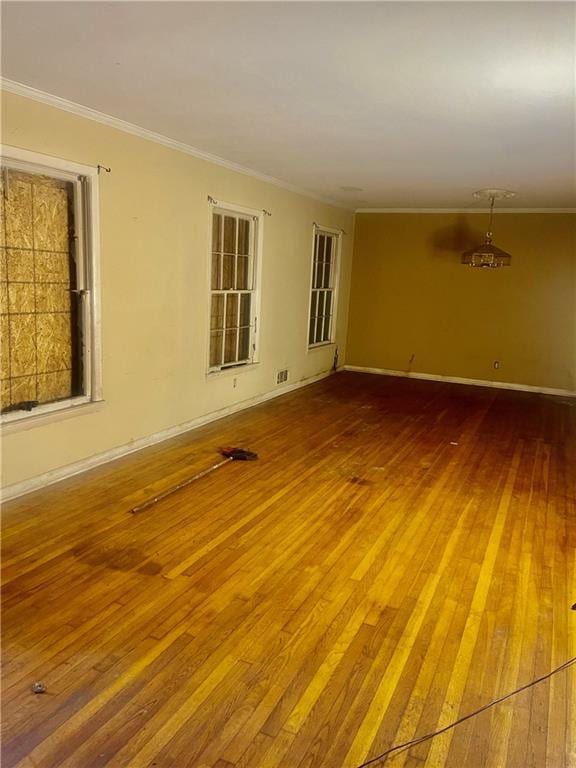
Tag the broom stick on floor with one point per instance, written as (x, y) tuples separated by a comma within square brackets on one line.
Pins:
[(230, 454)]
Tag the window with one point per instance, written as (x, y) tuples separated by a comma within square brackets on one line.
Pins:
[(46, 305), (324, 279), (233, 289)]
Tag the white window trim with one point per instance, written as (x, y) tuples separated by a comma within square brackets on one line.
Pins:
[(86, 175), (319, 228), (258, 216)]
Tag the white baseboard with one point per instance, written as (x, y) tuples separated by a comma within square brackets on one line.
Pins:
[(62, 473), (458, 380)]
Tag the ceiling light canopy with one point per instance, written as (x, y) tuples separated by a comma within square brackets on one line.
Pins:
[(487, 254)]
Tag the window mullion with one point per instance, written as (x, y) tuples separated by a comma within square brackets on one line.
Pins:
[(332, 262), (238, 300), (236, 253), (315, 315), (221, 278), (78, 235), (251, 251), (223, 344)]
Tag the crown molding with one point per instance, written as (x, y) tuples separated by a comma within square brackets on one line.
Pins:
[(19, 89), (465, 210)]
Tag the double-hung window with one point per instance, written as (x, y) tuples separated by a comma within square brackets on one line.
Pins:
[(323, 289), (48, 340), (233, 288)]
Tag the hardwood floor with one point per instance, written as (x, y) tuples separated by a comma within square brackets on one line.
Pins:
[(401, 553)]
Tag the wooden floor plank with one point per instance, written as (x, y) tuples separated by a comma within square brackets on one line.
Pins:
[(401, 553)]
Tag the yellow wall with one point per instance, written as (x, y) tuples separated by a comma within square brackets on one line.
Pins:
[(154, 261), (411, 296)]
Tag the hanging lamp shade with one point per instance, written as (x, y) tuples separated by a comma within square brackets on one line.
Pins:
[(487, 254)]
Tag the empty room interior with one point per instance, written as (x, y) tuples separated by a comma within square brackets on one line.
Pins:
[(288, 384)]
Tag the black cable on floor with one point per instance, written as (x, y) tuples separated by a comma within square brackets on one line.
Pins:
[(408, 744)]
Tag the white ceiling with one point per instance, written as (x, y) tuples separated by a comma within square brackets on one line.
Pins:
[(416, 103)]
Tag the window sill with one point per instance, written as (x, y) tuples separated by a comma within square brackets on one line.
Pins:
[(14, 422), (233, 370), (321, 345)]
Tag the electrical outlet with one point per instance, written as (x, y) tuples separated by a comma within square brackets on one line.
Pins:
[(234, 382), (496, 364)]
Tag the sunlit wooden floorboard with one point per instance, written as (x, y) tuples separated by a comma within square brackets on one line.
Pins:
[(401, 553)]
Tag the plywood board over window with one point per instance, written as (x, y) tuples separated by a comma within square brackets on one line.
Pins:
[(41, 340)]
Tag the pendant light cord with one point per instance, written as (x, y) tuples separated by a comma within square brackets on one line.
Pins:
[(489, 233)]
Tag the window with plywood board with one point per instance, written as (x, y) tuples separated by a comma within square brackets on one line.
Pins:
[(44, 300)]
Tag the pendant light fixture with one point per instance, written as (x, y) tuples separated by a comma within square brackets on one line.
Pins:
[(487, 254)]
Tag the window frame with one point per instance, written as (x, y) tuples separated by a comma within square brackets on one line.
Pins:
[(319, 229), (257, 216), (87, 220)]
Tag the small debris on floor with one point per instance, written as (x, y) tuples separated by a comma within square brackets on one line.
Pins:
[(38, 687), (452, 442), (356, 480)]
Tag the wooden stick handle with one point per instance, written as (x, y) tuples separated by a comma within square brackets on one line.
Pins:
[(155, 499)]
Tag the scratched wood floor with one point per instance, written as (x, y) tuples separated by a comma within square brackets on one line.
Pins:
[(401, 553)]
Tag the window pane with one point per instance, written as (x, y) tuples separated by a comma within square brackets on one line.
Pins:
[(244, 344), (216, 232), (314, 304), (328, 303), (230, 346), (216, 348), (242, 274), (318, 330), (318, 274), (232, 310), (217, 313), (327, 269), (311, 330), (245, 309), (328, 250), (320, 308), (318, 261), (327, 323), (229, 234), (216, 262), (228, 272), (243, 236)]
